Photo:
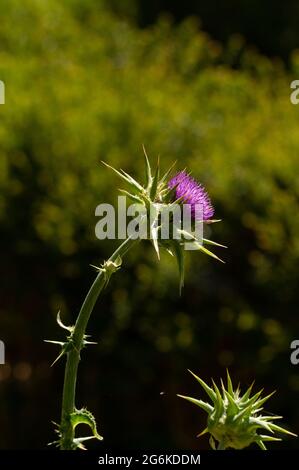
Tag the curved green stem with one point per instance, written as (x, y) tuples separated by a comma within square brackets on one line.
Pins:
[(73, 356)]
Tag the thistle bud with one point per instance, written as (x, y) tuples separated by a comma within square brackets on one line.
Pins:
[(236, 420)]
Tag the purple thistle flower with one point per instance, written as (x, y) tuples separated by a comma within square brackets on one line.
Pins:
[(192, 193)]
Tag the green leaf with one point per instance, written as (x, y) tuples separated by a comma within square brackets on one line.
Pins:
[(165, 176), (246, 395), (212, 443), (269, 438), (203, 432), (261, 445), (84, 416), (233, 408), (199, 246), (230, 388), (154, 228), (270, 418), (59, 321), (178, 251), (261, 401), (132, 181), (245, 411), (154, 186), (131, 196), (66, 347), (148, 171), (211, 242), (126, 177), (209, 391), (108, 268), (154, 238), (186, 235), (205, 406), (219, 402), (60, 343), (212, 221), (78, 441), (259, 423), (253, 400), (207, 252), (274, 427)]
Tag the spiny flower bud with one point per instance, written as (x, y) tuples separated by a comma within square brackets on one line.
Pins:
[(236, 420)]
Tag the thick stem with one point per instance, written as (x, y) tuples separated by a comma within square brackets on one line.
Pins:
[(73, 356)]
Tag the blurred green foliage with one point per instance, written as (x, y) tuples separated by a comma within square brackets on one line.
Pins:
[(83, 86)]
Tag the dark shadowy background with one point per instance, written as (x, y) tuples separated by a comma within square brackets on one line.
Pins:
[(269, 25), (203, 83)]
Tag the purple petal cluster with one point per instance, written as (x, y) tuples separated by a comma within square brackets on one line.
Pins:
[(192, 193)]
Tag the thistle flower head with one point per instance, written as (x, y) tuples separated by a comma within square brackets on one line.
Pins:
[(191, 192), (159, 194), (236, 420)]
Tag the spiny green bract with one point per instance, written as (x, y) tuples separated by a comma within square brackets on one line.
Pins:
[(82, 416), (236, 420)]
